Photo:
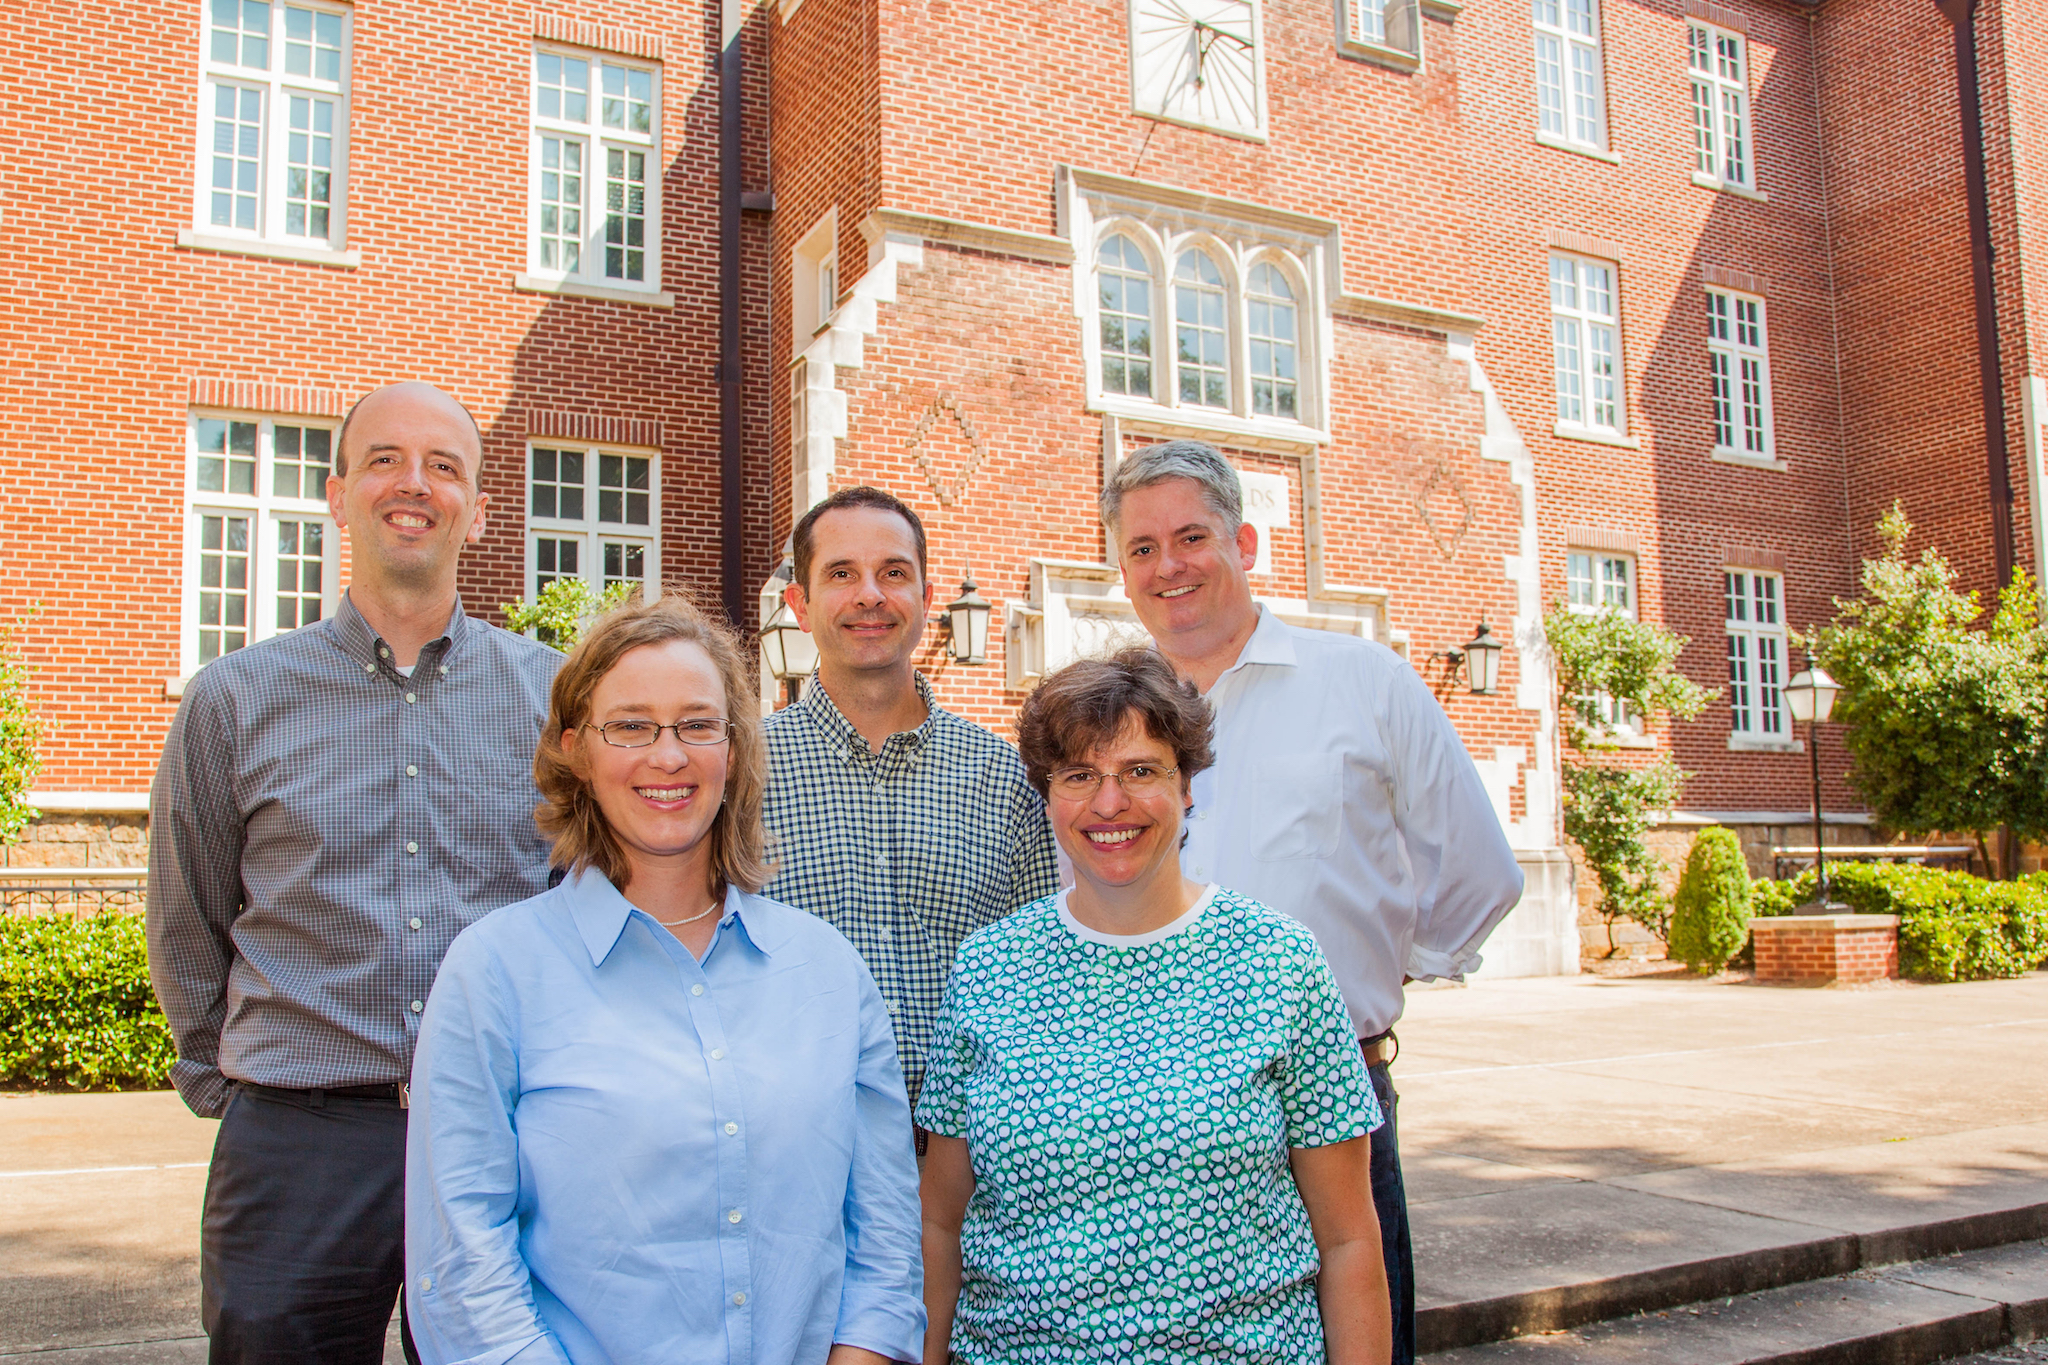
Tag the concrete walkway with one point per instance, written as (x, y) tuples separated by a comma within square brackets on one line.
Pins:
[(1555, 1132)]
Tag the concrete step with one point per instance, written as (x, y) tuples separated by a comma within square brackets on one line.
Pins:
[(1926, 1310), (1591, 1253)]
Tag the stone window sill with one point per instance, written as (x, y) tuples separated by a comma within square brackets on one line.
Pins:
[(1746, 744), (1579, 148), (1708, 182), (276, 251), (541, 284), (1381, 55), (1596, 435), (1748, 461)]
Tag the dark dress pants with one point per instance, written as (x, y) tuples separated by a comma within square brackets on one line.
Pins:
[(1390, 1201), (302, 1247)]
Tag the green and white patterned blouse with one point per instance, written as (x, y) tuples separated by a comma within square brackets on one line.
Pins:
[(1128, 1105)]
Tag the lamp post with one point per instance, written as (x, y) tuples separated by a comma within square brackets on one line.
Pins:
[(1810, 697), (967, 623)]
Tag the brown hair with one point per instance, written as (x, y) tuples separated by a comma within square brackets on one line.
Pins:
[(570, 814), (861, 495), (1085, 705)]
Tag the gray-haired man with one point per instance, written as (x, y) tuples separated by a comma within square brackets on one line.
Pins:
[(1341, 794), (333, 806)]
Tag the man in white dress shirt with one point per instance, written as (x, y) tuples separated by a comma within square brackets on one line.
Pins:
[(1341, 793)]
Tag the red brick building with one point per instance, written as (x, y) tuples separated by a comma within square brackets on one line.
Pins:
[(1651, 307)]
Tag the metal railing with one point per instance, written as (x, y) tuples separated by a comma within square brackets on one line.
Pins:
[(75, 892)]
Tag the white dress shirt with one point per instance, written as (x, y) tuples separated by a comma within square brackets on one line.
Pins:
[(1342, 795)]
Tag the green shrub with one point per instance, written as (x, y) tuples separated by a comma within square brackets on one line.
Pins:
[(1952, 926), (76, 1008), (1710, 913)]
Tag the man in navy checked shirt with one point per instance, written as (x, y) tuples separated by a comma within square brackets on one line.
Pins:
[(903, 825)]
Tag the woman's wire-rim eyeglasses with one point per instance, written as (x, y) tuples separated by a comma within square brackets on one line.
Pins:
[(700, 731), (1140, 779)]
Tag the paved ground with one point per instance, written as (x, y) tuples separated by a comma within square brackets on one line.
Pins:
[(1549, 1127)]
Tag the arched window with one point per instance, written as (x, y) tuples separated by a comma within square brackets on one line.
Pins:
[(1201, 338), (1270, 321), (1124, 277)]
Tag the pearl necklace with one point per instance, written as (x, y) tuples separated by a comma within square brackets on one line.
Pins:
[(687, 919)]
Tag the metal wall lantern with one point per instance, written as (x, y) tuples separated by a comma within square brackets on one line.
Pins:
[(967, 624), (790, 650), (1480, 658)]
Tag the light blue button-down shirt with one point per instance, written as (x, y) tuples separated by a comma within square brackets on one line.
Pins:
[(619, 1154)]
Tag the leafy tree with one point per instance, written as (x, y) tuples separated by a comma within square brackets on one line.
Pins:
[(1947, 722), (1710, 914), (563, 611), (1609, 664), (20, 730)]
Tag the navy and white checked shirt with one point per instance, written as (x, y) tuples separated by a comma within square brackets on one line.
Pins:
[(321, 828), (906, 851)]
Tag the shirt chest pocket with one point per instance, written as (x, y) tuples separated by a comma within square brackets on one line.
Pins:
[(1298, 807)]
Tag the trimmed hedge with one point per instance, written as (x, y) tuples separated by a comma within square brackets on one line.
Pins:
[(1710, 913), (76, 1008), (1952, 926)]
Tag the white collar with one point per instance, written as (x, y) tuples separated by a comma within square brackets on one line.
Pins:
[(1145, 940)]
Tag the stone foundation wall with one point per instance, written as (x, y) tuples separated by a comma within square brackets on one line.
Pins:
[(67, 839)]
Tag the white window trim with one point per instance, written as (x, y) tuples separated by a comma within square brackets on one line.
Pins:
[(1385, 52), (1567, 40), (1627, 732), (268, 238), (263, 508), (1164, 224), (590, 281), (1767, 458), (1754, 736), (808, 309), (592, 532), (1716, 85), (1618, 434)]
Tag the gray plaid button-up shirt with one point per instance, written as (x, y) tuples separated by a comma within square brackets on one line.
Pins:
[(321, 828), (906, 851)]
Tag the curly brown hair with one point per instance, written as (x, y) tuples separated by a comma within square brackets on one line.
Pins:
[(570, 813), (1086, 704)]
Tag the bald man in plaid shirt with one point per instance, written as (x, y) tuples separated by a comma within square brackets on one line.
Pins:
[(903, 825)]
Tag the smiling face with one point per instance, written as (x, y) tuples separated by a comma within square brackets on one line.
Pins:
[(661, 800), (865, 603), (1113, 838), (409, 498), (1187, 577)]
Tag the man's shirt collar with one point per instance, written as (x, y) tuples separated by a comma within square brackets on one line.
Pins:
[(600, 913), (1270, 643), (832, 722), (363, 644)]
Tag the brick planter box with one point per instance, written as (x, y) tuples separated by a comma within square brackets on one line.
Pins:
[(1819, 950)]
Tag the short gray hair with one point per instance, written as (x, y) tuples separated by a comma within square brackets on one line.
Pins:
[(1197, 461)]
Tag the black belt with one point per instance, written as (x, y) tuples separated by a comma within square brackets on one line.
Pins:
[(1375, 1053), (388, 1093)]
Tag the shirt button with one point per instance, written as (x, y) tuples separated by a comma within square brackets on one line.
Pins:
[(739, 1300), (411, 847), (718, 1054), (369, 668), (731, 1128), (426, 1283), (412, 770), (733, 1217), (383, 653), (444, 670), (881, 860), (408, 699), (415, 921), (891, 1006), (417, 1007), (696, 990)]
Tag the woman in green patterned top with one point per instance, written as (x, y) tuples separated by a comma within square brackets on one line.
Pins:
[(1147, 1105)]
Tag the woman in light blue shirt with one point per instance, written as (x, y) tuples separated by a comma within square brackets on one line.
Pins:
[(657, 1117)]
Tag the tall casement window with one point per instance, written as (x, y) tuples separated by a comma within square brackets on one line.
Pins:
[(273, 123), (1381, 29), (1739, 375), (1756, 655), (596, 178), (260, 550), (592, 514), (1237, 319), (1570, 104), (1596, 582), (1585, 333), (1719, 70)]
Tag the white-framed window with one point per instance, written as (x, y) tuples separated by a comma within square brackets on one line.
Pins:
[(1585, 330), (596, 176), (272, 156), (592, 513), (1240, 317), (1571, 105), (1739, 374), (814, 279), (1375, 27), (1596, 582), (1756, 654), (1718, 63), (260, 549)]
